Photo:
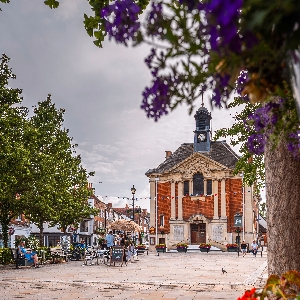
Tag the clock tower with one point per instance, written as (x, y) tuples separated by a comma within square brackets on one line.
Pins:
[(202, 132)]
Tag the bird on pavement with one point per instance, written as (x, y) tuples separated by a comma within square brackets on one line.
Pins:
[(224, 271)]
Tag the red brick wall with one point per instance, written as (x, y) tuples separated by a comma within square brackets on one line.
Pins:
[(234, 198), (164, 203), (190, 207)]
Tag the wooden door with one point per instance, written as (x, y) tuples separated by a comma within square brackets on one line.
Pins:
[(198, 233)]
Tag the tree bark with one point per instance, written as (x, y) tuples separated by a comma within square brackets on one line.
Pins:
[(41, 235), (283, 210)]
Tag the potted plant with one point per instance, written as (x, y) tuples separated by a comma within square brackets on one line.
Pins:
[(204, 247), (232, 247), (160, 247), (140, 248), (182, 247)]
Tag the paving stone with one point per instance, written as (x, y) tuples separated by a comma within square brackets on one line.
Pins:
[(171, 276)]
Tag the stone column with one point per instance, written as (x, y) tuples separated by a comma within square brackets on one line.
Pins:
[(152, 202), (216, 198), (173, 210), (180, 192), (205, 187), (223, 199), (248, 211)]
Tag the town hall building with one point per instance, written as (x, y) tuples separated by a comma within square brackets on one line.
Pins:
[(194, 195)]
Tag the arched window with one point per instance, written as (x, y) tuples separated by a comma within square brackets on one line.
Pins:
[(198, 184)]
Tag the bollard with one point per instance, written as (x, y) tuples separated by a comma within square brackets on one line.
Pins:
[(147, 252)]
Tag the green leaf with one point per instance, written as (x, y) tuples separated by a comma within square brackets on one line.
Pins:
[(52, 3)]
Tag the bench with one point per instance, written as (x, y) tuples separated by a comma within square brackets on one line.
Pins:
[(58, 254), (20, 259)]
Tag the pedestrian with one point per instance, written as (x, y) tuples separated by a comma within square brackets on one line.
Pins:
[(109, 239), (122, 240), (244, 248), (254, 247)]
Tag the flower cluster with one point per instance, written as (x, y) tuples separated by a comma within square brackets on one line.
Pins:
[(222, 19), (206, 246), (248, 295), (121, 20), (161, 246), (140, 246), (182, 245), (231, 246)]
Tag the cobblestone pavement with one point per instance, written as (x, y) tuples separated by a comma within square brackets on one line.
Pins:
[(169, 276)]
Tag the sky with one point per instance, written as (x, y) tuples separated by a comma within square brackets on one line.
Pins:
[(100, 89)]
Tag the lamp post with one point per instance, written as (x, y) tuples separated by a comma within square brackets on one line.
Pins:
[(237, 223), (133, 190)]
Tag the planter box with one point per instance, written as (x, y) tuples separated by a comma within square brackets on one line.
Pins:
[(181, 249), (141, 251), (160, 249), (232, 249), (204, 249)]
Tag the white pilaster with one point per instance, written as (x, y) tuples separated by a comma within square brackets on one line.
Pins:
[(216, 199), (152, 202), (180, 192), (223, 199), (173, 210)]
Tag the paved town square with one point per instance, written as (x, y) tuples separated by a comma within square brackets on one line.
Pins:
[(169, 276)]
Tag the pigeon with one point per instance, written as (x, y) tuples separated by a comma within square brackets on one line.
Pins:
[(224, 271)]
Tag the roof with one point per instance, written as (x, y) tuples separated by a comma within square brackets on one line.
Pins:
[(220, 152)]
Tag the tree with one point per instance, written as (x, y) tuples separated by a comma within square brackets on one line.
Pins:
[(14, 156), (56, 172)]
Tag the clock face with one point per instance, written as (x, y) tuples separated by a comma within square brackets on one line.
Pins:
[(202, 137)]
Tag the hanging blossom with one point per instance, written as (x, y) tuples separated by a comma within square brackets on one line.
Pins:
[(156, 99), (222, 17), (293, 144), (220, 88), (121, 20), (263, 121), (154, 20)]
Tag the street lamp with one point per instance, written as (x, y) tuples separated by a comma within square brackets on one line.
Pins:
[(133, 190)]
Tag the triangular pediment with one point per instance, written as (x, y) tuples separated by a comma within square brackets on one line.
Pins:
[(198, 163)]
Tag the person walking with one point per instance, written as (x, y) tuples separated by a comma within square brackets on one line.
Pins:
[(254, 247), (244, 248), (109, 239)]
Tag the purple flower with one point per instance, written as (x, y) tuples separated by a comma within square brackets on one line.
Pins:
[(256, 143), (220, 89), (222, 23), (241, 83), (293, 144), (156, 99), (155, 20), (124, 25)]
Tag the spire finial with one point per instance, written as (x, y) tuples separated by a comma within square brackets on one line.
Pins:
[(202, 101)]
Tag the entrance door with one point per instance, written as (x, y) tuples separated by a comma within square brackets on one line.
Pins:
[(198, 233)]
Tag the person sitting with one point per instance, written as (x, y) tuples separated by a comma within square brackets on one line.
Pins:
[(254, 247), (31, 257)]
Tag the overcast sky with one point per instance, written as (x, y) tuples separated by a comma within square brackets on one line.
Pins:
[(100, 89)]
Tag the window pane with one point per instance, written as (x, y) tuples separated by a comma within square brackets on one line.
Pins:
[(209, 187), (186, 188), (198, 184)]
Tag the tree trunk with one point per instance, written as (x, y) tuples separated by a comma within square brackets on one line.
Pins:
[(5, 225), (41, 236), (283, 210)]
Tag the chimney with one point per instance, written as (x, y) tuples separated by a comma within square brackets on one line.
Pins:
[(168, 154)]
